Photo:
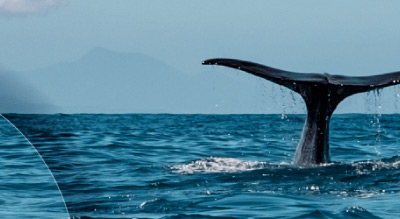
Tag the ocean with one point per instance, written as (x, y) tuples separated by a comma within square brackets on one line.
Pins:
[(195, 166)]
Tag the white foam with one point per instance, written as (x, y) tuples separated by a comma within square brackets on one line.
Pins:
[(365, 167), (218, 165)]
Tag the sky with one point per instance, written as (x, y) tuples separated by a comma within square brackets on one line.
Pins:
[(337, 37)]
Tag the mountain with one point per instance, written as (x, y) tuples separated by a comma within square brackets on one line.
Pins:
[(18, 96), (104, 81)]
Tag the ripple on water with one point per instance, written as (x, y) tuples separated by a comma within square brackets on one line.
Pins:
[(215, 166)]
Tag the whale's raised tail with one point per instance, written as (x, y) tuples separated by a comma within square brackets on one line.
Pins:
[(321, 93)]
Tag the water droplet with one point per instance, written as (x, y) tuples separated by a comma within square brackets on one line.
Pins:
[(142, 204)]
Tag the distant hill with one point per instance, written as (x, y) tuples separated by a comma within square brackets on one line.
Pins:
[(103, 81), (18, 96)]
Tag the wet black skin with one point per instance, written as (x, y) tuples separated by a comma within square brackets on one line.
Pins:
[(321, 93)]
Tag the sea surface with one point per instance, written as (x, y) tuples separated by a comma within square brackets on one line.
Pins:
[(195, 166)]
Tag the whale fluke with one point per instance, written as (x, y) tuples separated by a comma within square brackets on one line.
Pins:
[(321, 93)]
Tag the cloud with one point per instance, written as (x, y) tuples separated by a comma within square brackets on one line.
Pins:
[(22, 7)]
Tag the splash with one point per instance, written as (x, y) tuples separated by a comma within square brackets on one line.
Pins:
[(218, 165), (397, 98), (374, 99), (283, 105), (378, 115), (366, 167), (262, 89)]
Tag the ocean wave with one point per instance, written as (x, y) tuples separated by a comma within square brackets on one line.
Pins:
[(231, 165), (366, 167), (218, 165)]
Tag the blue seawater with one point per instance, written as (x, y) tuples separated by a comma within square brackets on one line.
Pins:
[(206, 166), (27, 187)]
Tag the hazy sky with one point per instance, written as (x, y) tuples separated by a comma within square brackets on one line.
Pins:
[(337, 37)]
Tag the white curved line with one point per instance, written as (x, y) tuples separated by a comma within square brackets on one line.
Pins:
[(51, 173)]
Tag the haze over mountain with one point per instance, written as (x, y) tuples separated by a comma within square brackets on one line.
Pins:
[(17, 96), (103, 81)]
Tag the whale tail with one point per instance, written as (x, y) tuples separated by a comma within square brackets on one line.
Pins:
[(321, 93), (306, 84)]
